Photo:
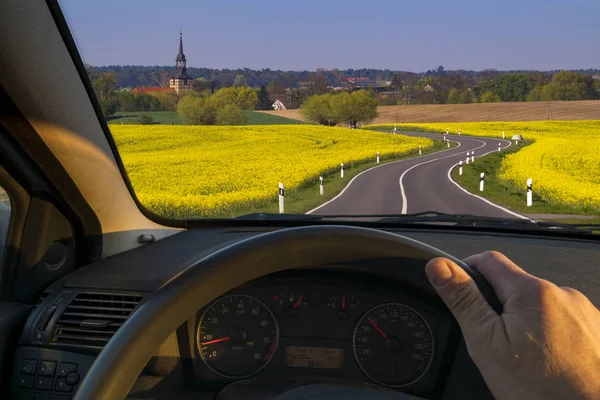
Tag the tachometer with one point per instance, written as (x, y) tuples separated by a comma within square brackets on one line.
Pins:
[(393, 345), (237, 336)]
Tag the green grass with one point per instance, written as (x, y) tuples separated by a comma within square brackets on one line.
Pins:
[(172, 118), (306, 198), (496, 191)]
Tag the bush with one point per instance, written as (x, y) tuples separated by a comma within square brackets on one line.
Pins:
[(490, 97), (145, 120), (230, 115), (196, 111)]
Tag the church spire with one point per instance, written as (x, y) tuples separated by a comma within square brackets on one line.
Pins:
[(180, 56)]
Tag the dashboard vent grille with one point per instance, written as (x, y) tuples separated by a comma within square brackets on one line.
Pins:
[(91, 319)]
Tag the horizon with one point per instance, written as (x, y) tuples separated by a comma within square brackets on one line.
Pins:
[(233, 34)]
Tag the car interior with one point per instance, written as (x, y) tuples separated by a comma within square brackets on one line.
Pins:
[(102, 299)]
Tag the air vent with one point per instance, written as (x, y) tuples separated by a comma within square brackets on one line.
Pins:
[(91, 319)]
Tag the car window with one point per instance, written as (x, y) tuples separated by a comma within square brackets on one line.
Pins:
[(4, 220)]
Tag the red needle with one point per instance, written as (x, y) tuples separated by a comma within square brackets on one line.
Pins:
[(215, 341), (378, 328), (343, 302), (297, 303)]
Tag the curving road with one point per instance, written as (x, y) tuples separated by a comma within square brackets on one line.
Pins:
[(418, 184)]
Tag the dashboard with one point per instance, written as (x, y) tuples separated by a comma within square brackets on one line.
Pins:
[(321, 325), (368, 322)]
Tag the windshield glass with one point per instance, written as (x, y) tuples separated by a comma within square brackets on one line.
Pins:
[(230, 108)]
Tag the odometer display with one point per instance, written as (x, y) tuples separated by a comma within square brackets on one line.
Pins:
[(237, 336), (393, 345)]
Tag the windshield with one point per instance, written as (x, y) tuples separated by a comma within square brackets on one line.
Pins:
[(233, 108)]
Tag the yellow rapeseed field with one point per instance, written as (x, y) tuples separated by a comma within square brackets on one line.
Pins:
[(203, 171), (564, 161)]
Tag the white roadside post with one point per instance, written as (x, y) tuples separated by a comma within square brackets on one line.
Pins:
[(321, 185), (481, 182), (377, 157), (467, 158), (342, 170), (502, 134), (472, 156), (499, 146), (447, 130), (459, 132), (448, 144), (460, 167), (394, 128), (281, 195), (529, 192), (420, 153), (516, 142)]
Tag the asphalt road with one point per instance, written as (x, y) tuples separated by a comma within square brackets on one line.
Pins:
[(418, 184)]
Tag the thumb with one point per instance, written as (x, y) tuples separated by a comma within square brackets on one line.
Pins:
[(462, 296)]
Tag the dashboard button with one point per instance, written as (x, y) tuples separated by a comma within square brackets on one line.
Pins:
[(25, 396), (47, 368), (72, 378), (28, 367), (26, 382), (42, 396), (43, 383), (62, 386), (65, 368)]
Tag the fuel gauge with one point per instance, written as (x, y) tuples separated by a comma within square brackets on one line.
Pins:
[(344, 305), (290, 303)]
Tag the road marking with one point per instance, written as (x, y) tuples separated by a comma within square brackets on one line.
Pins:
[(506, 210), (372, 168), (403, 193)]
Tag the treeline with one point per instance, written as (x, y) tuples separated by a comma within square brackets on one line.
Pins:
[(344, 107), (131, 76), (409, 88)]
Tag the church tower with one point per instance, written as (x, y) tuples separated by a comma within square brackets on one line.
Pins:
[(181, 80)]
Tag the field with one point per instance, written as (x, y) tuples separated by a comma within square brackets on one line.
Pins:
[(563, 161), (530, 111), (172, 118), (211, 171)]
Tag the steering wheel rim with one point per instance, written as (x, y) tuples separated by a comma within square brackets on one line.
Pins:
[(123, 358)]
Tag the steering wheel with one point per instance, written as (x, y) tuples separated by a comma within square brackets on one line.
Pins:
[(118, 365)]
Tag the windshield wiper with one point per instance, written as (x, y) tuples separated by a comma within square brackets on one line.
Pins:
[(431, 217)]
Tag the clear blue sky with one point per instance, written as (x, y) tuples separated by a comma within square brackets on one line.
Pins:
[(413, 35)]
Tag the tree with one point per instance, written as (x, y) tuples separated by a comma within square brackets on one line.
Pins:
[(513, 87), (358, 107), (167, 100), (161, 77), (264, 101), (230, 115), (408, 80), (275, 89), (490, 97), (104, 85), (200, 84), (318, 109), (317, 84), (566, 85), (243, 97), (109, 106), (196, 111), (239, 81)]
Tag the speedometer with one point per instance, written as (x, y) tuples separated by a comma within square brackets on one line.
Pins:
[(237, 336), (393, 344)]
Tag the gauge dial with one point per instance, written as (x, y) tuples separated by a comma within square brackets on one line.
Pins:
[(290, 303), (237, 336), (393, 345), (344, 305)]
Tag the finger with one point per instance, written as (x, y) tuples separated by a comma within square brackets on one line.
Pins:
[(504, 275), (462, 296)]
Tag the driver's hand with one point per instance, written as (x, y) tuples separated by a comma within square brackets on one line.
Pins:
[(544, 345)]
